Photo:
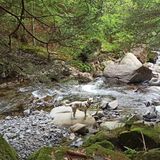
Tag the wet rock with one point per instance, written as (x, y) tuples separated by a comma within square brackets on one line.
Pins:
[(129, 70), (112, 105), (157, 108), (151, 114), (77, 143)]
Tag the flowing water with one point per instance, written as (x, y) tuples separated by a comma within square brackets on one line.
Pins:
[(131, 98)]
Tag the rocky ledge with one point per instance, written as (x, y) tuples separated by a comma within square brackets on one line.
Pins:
[(29, 133)]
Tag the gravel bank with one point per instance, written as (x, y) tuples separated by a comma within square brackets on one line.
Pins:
[(29, 133)]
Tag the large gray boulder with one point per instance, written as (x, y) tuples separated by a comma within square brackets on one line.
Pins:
[(63, 116), (129, 70)]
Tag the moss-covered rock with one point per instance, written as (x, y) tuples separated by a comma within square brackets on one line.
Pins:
[(49, 153), (134, 138), (153, 154), (97, 150), (102, 138), (6, 151)]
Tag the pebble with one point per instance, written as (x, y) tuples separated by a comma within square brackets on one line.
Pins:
[(31, 132)]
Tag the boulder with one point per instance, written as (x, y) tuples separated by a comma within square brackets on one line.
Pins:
[(140, 52), (79, 128), (112, 105), (6, 151), (129, 70), (63, 116), (80, 76), (133, 138), (111, 125)]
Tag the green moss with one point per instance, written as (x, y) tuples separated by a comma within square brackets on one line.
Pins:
[(83, 67), (106, 144), (133, 138), (6, 151), (42, 154), (99, 137), (49, 153), (97, 150), (153, 154), (40, 51)]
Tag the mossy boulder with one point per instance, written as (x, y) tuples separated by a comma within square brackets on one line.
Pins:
[(134, 138), (153, 154), (6, 151), (103, 139), (101, 152), (49, 153)]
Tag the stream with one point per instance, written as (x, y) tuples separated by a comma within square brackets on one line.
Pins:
[(131, 98)]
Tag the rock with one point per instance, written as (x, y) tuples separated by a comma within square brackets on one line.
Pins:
[(111, 125), (140, 52), (72, 136), (112, 105), (63, 116), (129, 70), (133, 138), (6, 151), (58, 71), (157, 108), (81, 76), (27, 112), (77, 143), (79, 128), (151, 114)]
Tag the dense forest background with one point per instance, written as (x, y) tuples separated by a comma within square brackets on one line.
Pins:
[(70, 26)]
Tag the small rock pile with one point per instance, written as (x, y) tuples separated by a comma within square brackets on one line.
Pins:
[(29, 133)]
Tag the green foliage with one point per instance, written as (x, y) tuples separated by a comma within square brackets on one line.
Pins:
[(83, 67), (131, 153), (6, 151), (90, 48), (143, 21), (74, 25)]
